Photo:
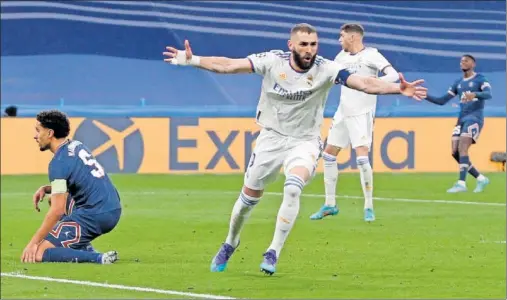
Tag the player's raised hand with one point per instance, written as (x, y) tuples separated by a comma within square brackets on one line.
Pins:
[(38, 197), (180, 57), (413, 89)]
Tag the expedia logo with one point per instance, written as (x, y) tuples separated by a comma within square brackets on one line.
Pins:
[(116, 143)]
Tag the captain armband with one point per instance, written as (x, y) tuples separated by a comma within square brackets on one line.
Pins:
[(59, 186)]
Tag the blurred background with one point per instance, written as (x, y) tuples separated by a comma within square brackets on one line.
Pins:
[(103, 59)]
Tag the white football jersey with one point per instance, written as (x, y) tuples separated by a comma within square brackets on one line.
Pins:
[(368, 62), (292, 102)]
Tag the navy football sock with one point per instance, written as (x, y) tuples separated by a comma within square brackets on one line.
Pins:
[(471, 169), (71, 255), (464, 163)]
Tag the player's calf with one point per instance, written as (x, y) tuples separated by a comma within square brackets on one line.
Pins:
[(366, 175), (330, 173), (471, 169), (47, 252), (464, 164), (286, 218), (67, 255), (482, 181), (330, 179), (241, 211)]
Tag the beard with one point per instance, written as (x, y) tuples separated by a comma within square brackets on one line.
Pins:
[(44, 148), (301, 63)]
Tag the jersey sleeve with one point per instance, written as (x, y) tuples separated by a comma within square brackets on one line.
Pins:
[(58, 175), (378, 60), (263, 61), (338, 56), (453, 89), (484, 84), (337, 73)]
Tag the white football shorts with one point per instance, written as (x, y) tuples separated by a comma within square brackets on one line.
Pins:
[(355, 130), (274, 151)]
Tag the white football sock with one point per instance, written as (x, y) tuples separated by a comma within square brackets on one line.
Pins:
[(288, 211), (240, 213), (364, 166), (330, 178)]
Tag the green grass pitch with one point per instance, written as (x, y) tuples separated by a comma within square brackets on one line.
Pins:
[(173, 225)]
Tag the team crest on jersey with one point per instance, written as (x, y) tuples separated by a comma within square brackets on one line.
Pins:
[(471, 84), (309, 80), (282, 76), (459, 86)]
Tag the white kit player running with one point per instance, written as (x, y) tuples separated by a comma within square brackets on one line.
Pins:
[(290, 111), (353, 120)]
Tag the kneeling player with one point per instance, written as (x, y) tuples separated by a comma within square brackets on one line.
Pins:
[(84, 202)]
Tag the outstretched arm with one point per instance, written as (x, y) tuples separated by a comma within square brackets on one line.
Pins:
[(371, 85), (225, 65), (484, 95), (222, 65), (390, 74), (439, 100)]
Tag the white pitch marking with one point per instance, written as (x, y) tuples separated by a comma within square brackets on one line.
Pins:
[(114, 286), (179, 192)]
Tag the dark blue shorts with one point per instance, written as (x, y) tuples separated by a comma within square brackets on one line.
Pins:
[(469, 128), (77, 229)]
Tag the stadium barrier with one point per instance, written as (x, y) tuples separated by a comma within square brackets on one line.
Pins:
[(224, 145)]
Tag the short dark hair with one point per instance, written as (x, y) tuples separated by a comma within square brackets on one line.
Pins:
[(11, 111), (352, 27), (469, 56), (56, 121), (303, 27)]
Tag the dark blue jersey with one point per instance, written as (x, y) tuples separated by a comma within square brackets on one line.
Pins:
[(74, 168), (477, 84)]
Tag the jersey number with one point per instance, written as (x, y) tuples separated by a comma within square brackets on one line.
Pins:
[(89, 161)]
